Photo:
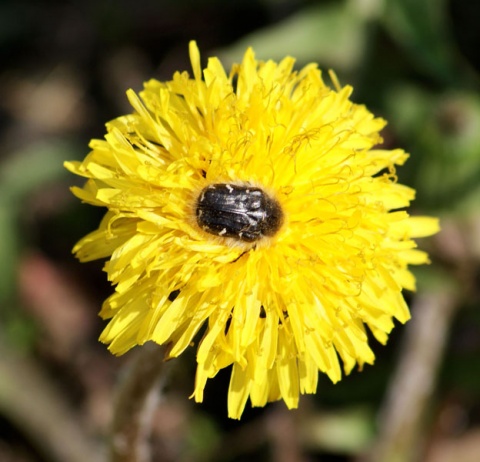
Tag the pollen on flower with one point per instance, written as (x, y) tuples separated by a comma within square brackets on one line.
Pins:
[(255, 204)]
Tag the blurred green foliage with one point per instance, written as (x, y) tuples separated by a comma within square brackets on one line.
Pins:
[(23, 174)]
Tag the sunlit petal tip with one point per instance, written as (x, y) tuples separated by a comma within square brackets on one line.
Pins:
[(195, 59)]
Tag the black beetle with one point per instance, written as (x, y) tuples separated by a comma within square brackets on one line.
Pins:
[(243, 212)]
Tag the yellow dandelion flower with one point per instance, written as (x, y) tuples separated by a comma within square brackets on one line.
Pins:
[(252, 207)]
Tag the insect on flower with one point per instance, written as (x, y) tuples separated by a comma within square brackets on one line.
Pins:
[(242, 212), (269, 164)]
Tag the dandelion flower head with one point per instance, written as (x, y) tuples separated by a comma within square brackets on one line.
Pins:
[(251, 214)]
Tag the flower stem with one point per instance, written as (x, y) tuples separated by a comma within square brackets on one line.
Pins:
[(137, 398)]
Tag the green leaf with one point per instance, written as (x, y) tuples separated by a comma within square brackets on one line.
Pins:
[(332, 34), (8, 252), (25, 171), (420, 28), (441, 132), (349, 431)]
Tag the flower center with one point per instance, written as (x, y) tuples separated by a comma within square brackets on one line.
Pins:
[(242, 212)]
